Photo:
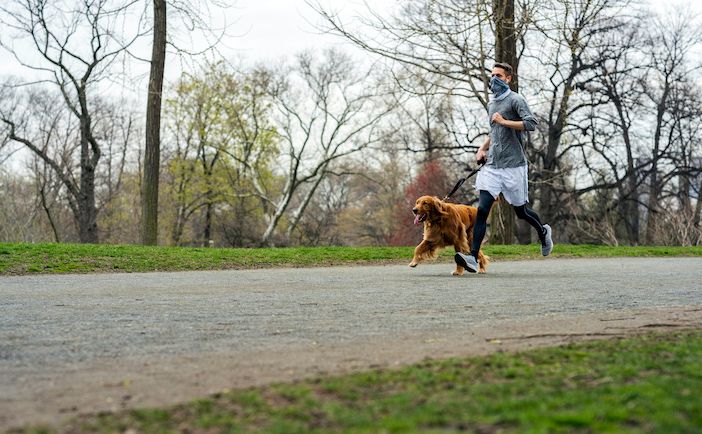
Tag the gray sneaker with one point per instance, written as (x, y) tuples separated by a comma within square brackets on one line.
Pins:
[(547, 245), (466, 261)]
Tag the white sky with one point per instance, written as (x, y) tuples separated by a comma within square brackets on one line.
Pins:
[(267, 30), (274, 28), (257, 31)]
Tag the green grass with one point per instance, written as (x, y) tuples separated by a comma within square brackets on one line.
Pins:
[(91, 258), (646, 384)]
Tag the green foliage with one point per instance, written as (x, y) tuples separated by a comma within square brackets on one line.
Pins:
[(649, 383), (224, 146), (91, 258)]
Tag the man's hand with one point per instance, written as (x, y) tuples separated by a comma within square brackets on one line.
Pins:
[(481, 156), (497, 118), (515, 125)]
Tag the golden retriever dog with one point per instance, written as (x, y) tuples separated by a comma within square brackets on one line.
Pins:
[(445, 224)]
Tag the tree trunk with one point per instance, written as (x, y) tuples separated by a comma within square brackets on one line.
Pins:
[(149, 218), (178, 226), (297, 215), (281, 207), (502, 224), (631, 199), (653, 194), (654, 186), (207, 230), (47, 210), (89, 157), (631, 211), (697, 219), (549, 198)]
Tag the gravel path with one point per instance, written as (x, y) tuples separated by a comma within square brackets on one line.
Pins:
[(85, 343)]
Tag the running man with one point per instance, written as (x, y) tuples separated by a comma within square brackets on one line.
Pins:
[(505, 169)]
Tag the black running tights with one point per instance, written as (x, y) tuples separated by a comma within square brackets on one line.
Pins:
[(485, 202)]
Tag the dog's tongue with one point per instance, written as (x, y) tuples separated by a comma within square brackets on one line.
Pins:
[(416, 219)]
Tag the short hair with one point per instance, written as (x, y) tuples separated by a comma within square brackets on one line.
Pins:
[(506, 66)]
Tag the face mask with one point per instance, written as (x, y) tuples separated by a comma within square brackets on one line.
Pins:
[(498, 86)]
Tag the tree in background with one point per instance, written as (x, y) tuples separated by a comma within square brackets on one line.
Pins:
[(636, 158), (320, 224), (223, 146), (619, 85), (423, 114), (327, 111), (57, 165), (374, 194), (431, 180), (19, 217), (152, 153), (72, 64), (671, 101), (575, 32)]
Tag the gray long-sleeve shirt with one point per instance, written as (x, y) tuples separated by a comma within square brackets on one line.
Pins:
[(507, 144)]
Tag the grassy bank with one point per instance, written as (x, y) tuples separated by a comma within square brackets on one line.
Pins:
[(90, 258), (649, 383)]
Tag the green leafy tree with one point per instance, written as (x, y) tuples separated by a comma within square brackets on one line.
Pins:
[(223, 147)]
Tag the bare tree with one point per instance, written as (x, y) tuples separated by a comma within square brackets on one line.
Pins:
[(447, 39), (319, 226), (326, 112), (669, 46), (118, 127), (571, 32), (17, 214), (76, 47), (688, 163), (634, 127), (48, 191), (425, 116), (55, 170), (616, 98)]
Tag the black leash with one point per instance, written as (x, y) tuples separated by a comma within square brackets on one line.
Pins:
[(462, 180)]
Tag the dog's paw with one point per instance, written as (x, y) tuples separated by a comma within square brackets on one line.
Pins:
[(457, 273), (413, 264)]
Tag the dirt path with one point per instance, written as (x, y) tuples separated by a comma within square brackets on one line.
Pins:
[(87, 343)]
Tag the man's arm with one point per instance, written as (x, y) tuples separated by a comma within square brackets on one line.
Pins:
[(481, 155), (528, 120), (515, 125)]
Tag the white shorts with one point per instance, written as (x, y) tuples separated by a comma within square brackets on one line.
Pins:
[(512, 182)]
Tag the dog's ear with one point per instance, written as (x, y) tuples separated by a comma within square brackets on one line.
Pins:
[(440, 207)]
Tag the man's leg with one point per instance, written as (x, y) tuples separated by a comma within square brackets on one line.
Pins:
[(530, 216), (544, 231), (470, 263), (485, 202)]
